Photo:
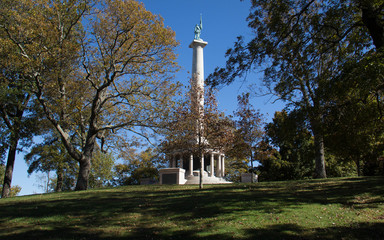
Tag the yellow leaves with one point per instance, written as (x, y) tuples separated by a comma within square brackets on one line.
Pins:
[(33, 30), (132, 36), (123, 48)]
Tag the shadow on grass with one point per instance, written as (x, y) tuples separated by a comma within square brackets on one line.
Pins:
[(173, 212), (362, 231)]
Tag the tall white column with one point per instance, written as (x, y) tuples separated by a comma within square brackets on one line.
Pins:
[(197, 96), (198, 63), (212, 165), (223, 166), (191, 165), (218, 171)]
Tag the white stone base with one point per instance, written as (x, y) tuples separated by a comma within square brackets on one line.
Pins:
[(172, 176)]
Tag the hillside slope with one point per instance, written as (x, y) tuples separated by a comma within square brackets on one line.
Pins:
[(346, 208)]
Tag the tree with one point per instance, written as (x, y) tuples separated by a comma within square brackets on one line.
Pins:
[(289, 135), (289, 150), (101, 174), (372, 13), (234, 167), (248, 128), (145, 164), (49, 156), (305, 44), (355, 119), (17, 117), (197, 126), (16, 90), (14, 98), (114, 73), (14, 190)]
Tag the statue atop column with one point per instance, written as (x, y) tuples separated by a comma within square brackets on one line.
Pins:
[(198, 28)]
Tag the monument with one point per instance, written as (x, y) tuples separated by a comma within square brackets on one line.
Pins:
[(184, 166)]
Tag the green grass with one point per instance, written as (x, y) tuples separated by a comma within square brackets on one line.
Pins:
[(346, 208)]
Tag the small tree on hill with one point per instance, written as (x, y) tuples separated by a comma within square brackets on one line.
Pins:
[(51, 156), (249, 131), (138, 165), (198, 128)]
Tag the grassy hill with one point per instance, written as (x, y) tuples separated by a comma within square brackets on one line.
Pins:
[(346, 208)]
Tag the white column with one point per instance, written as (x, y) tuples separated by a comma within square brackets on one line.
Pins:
[(218, 171), (197, 98), (223, 166), (198, 62), (191, 165), (181, 161), (211, 174)]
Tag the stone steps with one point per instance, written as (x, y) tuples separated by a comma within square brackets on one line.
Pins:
[(206, 180)]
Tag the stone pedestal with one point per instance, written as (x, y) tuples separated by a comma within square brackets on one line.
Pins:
[(172, 176), (247, 177)]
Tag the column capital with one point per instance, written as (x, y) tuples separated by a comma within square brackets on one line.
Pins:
[(196, 42)]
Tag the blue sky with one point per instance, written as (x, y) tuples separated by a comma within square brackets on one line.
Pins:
[(223, 21)]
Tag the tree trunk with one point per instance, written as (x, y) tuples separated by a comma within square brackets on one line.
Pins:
[(9, 169), (373, 21), (82, 179), (60, 179), (317, 130), (319, 156), (358, 167), (85, 160)]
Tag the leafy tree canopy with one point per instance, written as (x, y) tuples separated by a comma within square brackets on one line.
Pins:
[(96, 67)]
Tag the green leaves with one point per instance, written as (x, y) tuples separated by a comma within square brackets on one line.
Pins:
[(137, 166), (305, 48)]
